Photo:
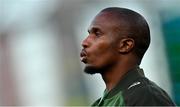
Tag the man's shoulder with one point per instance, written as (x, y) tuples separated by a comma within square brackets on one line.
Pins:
[(146, 92), (144, 85)]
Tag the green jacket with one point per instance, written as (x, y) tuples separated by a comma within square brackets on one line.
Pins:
[(135, 90)]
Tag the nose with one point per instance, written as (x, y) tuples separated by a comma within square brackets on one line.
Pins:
[(86, 42)]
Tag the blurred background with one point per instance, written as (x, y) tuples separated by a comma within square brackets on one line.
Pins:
[(40, 41)]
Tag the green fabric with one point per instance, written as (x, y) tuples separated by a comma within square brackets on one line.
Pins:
[(116, 100), (128, 93)]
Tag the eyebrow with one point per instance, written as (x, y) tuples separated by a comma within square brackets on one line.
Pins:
[(93, 29)]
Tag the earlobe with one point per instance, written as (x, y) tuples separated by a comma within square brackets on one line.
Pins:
[(126, 45)]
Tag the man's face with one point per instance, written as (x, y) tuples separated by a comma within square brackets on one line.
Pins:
[(99, 48)]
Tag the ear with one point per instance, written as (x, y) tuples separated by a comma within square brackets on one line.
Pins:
[(126, 45)]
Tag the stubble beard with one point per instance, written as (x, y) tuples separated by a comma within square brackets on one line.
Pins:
[(95, 70), (92, 70)]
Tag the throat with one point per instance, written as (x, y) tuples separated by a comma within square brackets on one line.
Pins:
[(112, 78)]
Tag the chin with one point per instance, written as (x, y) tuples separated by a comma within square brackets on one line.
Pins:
[(93, 70), (90, 70)]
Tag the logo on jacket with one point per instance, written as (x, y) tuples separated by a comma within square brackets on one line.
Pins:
[(134, 84)]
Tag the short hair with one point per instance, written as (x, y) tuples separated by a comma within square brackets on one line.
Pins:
[(136, 28)]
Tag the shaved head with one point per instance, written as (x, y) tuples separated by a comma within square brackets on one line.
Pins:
[(131, 24), (117, 37)]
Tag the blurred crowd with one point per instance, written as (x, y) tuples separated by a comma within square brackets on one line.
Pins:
[(40, 41)]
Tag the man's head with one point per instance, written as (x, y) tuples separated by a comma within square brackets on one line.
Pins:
[(114, 34)]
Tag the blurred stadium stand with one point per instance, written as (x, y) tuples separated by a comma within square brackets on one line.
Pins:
[(40, 41)]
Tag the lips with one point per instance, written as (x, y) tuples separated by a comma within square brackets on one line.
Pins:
[(83, 56)]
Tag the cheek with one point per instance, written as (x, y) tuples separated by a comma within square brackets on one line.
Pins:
[(100, 48), (102, 53)]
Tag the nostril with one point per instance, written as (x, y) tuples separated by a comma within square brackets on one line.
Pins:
[(85, 43)]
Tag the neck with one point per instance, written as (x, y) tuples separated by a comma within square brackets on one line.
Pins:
[(113, 75)]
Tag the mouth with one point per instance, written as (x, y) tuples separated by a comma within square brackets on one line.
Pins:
[(83, 56)]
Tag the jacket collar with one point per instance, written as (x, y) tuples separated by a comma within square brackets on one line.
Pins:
[(128, 79)]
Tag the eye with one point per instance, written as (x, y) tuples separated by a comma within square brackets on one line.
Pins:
[(97, 33)]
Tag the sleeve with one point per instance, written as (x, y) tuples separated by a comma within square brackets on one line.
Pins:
[(148, 96)]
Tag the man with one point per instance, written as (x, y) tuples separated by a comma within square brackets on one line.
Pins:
[(117, 41)]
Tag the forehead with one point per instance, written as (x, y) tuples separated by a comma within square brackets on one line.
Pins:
[(105, 21)]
